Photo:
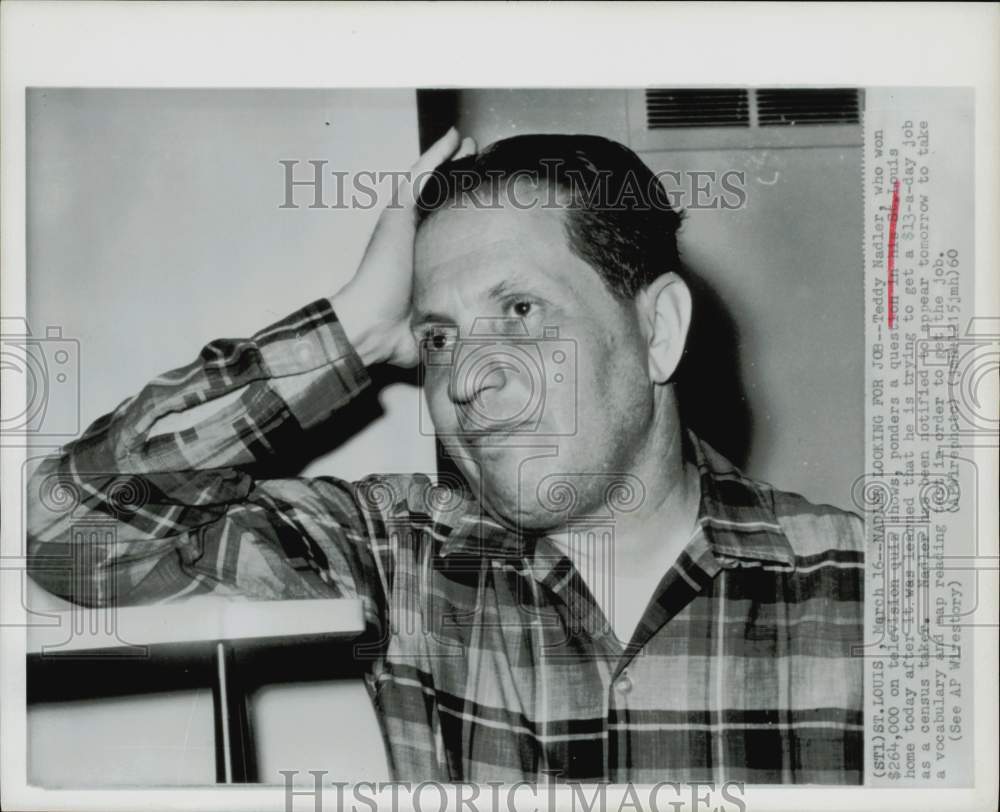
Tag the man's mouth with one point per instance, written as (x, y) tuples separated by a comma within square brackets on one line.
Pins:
[(488, 438), (496, 434)]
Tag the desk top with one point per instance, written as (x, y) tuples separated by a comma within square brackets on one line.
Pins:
[(200, 620)]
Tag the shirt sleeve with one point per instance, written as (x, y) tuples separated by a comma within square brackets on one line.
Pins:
[(124, 515)]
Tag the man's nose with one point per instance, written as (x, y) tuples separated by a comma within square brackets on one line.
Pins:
[(476, 380)]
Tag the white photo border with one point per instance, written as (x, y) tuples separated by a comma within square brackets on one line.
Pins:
[(298, 45)]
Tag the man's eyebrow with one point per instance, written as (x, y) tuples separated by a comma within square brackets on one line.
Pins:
[(515, 284), (429, 317)]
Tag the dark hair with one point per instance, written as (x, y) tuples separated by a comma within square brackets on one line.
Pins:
[(618, 216)]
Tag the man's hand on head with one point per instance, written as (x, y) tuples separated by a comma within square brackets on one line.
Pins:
[(374, 307)]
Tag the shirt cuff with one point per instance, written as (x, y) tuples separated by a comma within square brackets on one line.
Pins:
[(311, 362)]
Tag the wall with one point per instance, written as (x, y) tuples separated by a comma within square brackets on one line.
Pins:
[(154, 227), (786, 272)]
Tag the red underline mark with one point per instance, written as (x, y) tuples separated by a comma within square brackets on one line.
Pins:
[(893, 219)]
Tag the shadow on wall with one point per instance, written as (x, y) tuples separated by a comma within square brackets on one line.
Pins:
[(713, 399), (437, 110)]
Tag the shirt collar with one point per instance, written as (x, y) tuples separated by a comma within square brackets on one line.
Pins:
[(736, 514), (476, 533), (736, 520)]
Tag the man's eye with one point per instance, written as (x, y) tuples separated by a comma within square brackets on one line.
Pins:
[(440, 338), (522, 308)]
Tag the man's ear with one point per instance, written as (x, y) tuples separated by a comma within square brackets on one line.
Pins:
[(665, 311)]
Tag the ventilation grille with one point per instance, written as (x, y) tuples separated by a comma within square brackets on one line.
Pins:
[(744, 118), (667, 109), (797, 107)]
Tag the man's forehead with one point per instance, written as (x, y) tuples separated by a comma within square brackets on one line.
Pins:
[(442, 261), (453, 244)]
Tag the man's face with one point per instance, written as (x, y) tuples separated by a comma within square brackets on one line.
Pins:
[(535, 373)]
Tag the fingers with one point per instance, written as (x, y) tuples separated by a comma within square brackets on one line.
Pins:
[(438, 152), (449, 146), (467, 147)]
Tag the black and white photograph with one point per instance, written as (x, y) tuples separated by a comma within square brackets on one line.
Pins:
[(575, 578), (500, 436)]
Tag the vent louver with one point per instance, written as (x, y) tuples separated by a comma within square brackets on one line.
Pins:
[(785, 107), (666, 109)]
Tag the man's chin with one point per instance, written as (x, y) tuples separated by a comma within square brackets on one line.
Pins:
[(507, 483), (519, 510), (517, 518)]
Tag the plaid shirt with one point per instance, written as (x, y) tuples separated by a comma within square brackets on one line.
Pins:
[(489, 657)]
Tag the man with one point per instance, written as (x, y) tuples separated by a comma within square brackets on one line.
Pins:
[(598, 595)]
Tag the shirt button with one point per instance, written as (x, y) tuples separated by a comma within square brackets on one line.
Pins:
[(623, 684)]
